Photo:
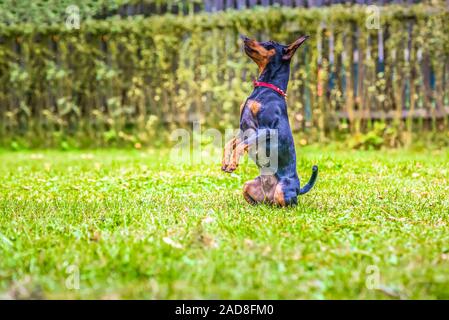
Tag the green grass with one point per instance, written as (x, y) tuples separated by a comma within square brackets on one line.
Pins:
[(137, 226)]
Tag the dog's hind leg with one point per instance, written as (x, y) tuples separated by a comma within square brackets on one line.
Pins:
[(253, 192), (260, 189), (285, 196)]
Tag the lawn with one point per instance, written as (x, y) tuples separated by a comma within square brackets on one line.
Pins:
[(131, 224)]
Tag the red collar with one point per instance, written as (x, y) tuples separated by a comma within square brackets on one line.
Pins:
[(271, 86)]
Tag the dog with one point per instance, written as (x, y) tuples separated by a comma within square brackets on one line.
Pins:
[(265, 112)]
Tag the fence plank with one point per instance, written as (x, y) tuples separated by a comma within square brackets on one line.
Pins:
[(208, 5), (241, 4), (229, 4), (219, 5)]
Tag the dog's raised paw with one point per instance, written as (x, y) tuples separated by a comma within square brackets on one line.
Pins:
[(230, 168)]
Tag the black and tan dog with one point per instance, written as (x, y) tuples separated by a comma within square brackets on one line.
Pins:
[(264, 112)]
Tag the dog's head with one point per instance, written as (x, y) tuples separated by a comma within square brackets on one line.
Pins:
[(270, 53)]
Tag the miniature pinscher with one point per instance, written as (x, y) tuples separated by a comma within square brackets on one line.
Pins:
[(263, 113)]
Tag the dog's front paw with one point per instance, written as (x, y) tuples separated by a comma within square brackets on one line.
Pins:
[(231, 168), (224, 166)]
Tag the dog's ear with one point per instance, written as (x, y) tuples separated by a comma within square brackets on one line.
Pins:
[(291, 48), (244, 38)]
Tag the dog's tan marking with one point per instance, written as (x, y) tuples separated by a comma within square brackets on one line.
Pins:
[(254, 106), (259, 54), (227, 152), (239, 151), (279, 198), (265, 60), (260, 189), (252, 191), (269, 183)]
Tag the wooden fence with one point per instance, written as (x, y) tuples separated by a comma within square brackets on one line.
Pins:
[(216, 5), (149, 7), (113, 80)]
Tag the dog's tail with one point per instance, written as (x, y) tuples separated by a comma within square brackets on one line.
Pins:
[(311, 182)]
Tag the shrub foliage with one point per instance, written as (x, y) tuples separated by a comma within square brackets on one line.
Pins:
[(117, 81)]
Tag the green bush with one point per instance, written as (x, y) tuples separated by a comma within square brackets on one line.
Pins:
[(118, 81)]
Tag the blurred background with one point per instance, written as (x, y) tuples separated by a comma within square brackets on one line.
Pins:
[(125, 73)]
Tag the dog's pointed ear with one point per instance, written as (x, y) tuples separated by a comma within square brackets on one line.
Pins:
[(291, 48), (244, 38)]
